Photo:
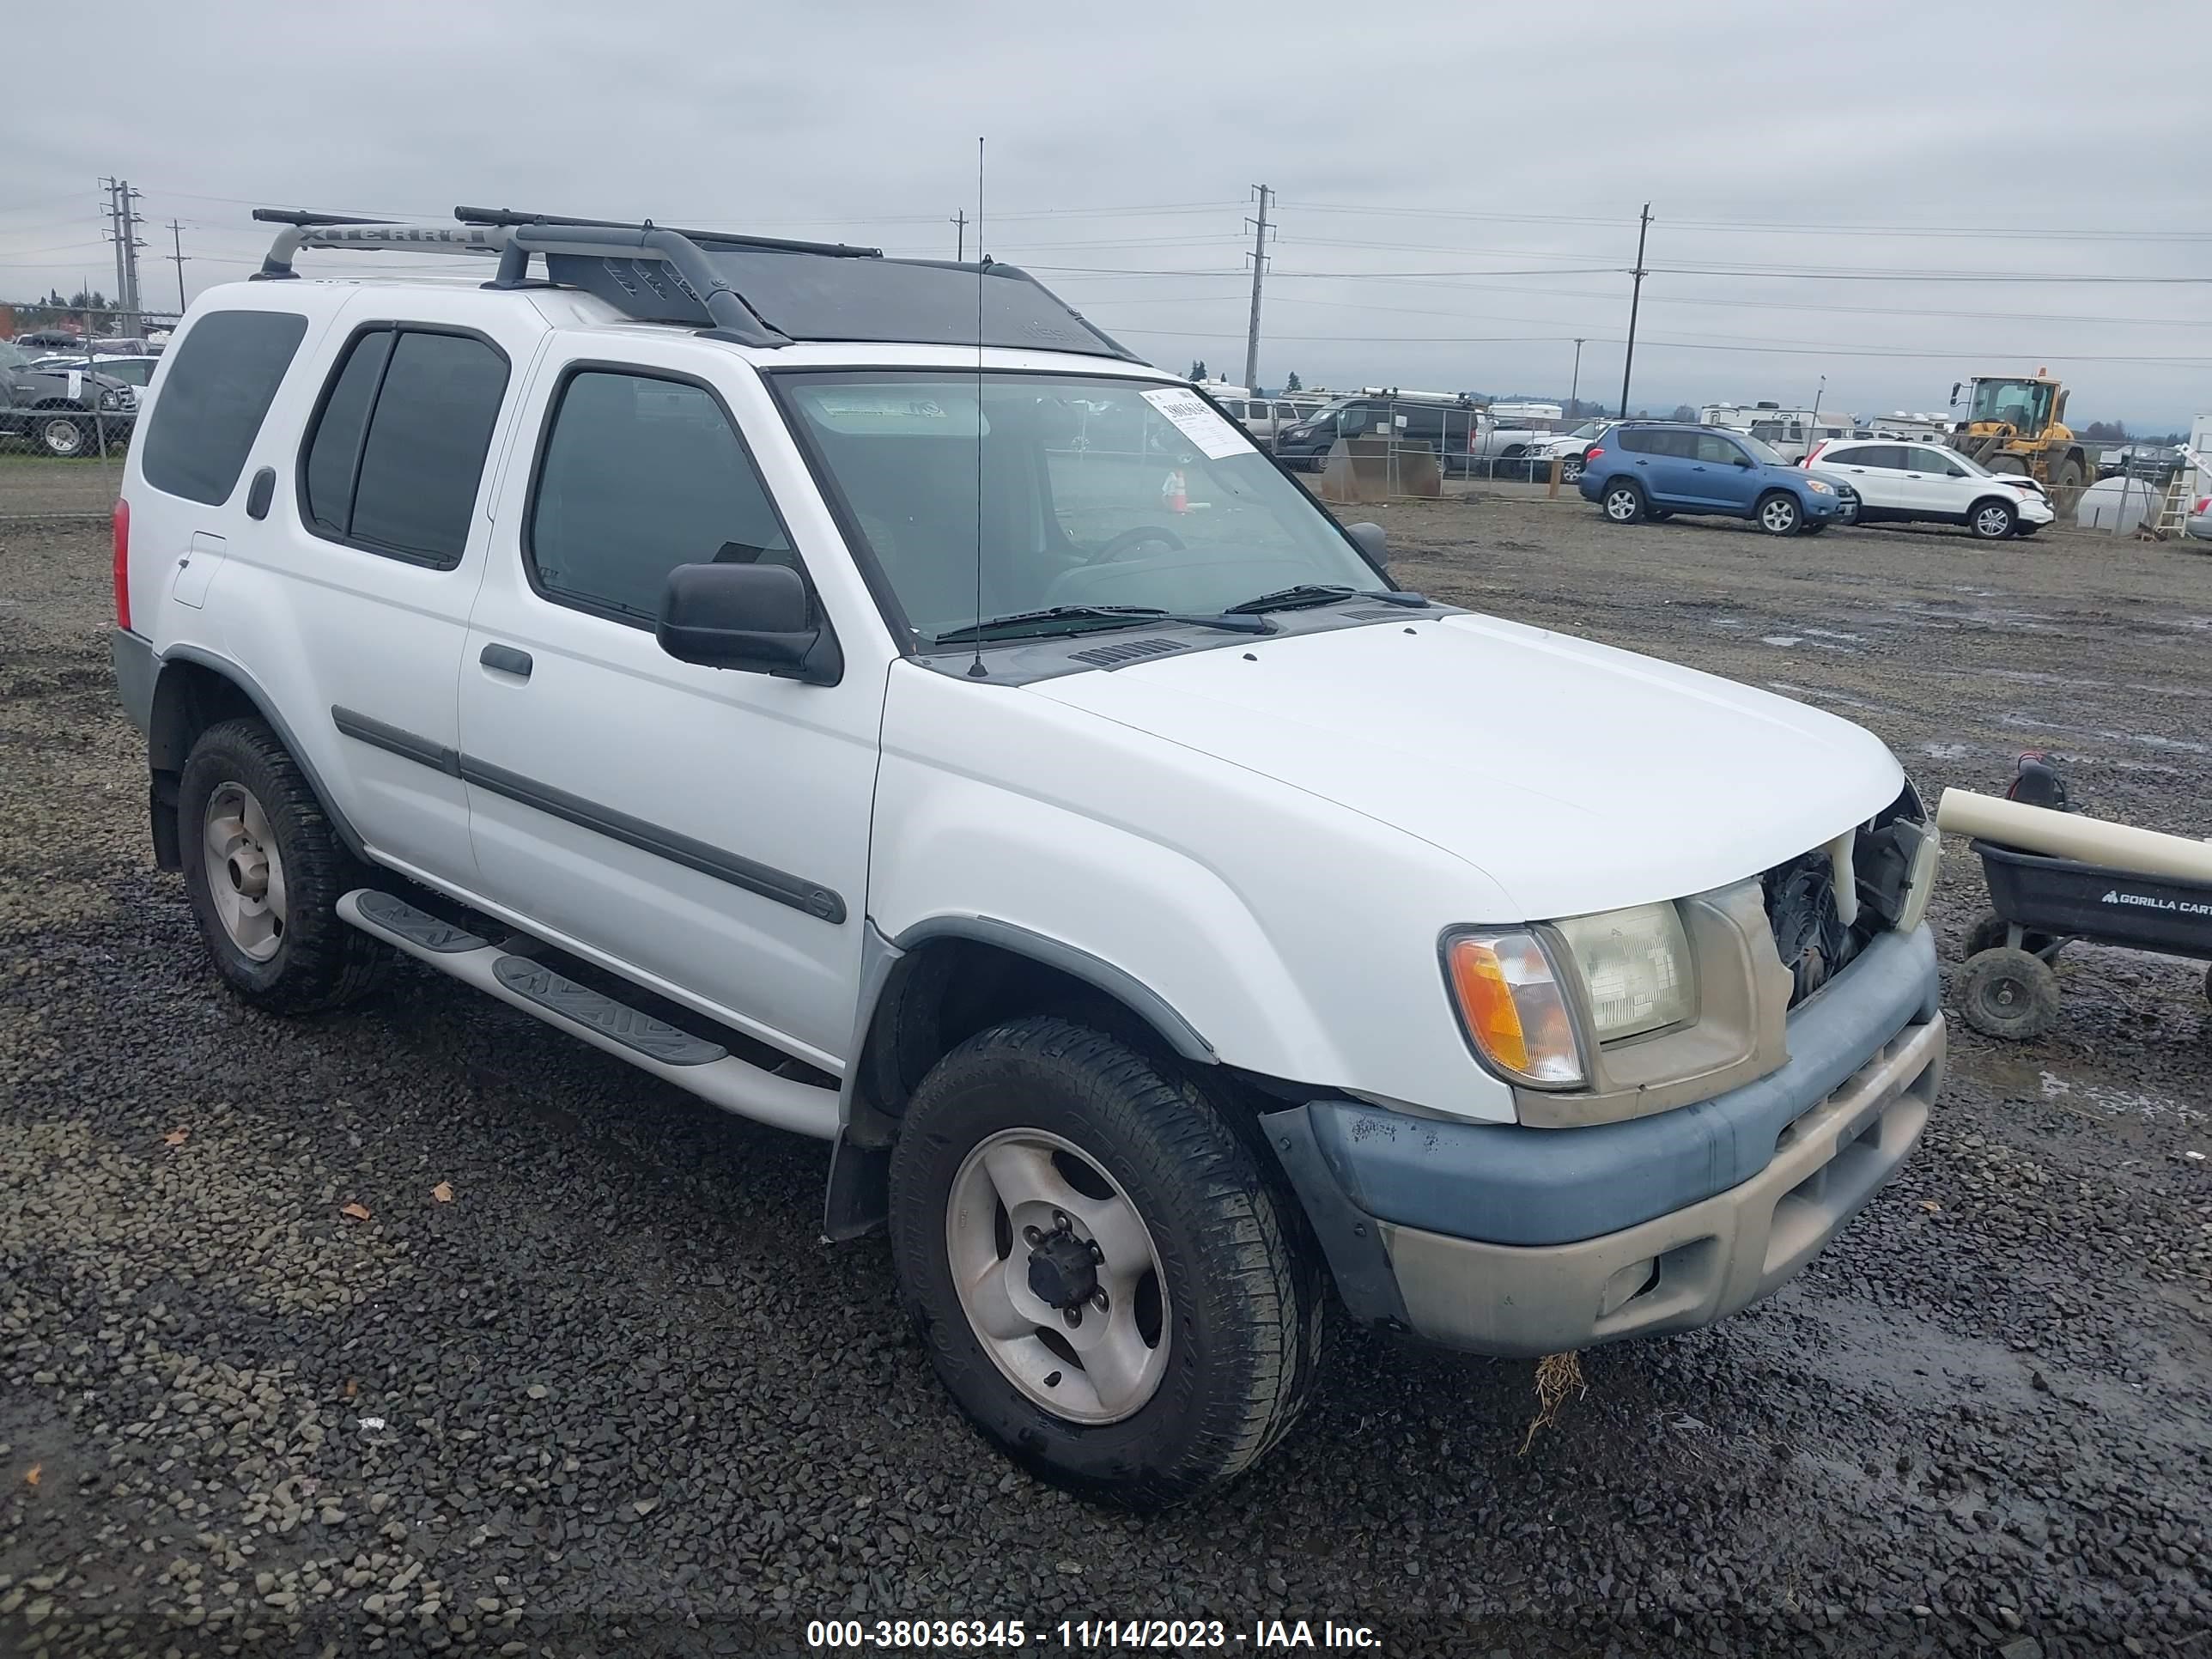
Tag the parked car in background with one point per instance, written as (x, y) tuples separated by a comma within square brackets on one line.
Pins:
[(1445, 423), (2198, 524), (1263, 417), (1927, 484), (134, 370), (62, 410), (1568, 449), (1653, 469)]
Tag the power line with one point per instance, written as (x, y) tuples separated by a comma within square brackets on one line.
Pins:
[(2025, 232)]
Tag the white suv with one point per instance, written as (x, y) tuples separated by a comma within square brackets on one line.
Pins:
[(711, 649), (1902, 483)]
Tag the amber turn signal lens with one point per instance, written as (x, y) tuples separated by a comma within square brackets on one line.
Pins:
[(1510, 999)]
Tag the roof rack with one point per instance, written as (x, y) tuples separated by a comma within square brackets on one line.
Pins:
[(755, 290)]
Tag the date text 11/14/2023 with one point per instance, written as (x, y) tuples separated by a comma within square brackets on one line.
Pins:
[(1085, 1635)]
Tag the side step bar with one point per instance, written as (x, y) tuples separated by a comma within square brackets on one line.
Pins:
[(704, 1068)]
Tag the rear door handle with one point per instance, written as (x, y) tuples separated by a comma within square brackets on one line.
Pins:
[(506, 659)]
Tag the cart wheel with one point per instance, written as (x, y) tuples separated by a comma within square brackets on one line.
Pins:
[(2009, 994), (1992, 930)]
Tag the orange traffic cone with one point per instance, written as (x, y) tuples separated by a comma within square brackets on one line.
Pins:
[(1172, 492)]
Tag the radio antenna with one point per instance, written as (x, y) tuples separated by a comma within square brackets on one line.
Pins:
[(976, 669)]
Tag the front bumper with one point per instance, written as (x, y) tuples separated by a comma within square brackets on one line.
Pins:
[(1505, 1240)]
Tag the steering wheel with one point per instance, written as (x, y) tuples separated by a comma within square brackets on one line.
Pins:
[(1121, 545)]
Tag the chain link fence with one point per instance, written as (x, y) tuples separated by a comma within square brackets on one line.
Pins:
[(72, 382)]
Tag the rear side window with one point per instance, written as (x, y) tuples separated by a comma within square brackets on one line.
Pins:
[(220, 385), (637, 476), (1641, 443), (398, 450)]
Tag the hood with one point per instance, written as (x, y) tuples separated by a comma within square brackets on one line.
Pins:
[(1576, 777)]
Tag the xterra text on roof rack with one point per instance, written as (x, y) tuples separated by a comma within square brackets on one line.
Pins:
[(860, 693)]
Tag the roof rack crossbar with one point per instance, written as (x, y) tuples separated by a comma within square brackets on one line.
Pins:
[(509, 216), (301, 216)]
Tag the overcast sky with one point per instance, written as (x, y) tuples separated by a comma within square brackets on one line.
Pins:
[(1458, 184)]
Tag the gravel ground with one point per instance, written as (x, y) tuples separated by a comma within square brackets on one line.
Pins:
[(420, 1328)]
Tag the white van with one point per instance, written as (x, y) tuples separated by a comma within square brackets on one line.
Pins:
[(696, 644)]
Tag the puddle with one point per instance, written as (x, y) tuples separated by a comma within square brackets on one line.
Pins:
[(1950, 751), (1785, 640), (2117, 1102), (1831, 633), (2014, 717)]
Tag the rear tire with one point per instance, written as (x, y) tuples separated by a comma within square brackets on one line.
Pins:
[(1991, 519), (1623, 503), (2009, 994), (264, 870), (1106, 1136), (1777, 513)]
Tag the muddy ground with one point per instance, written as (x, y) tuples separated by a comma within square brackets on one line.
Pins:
[(611, 1396)]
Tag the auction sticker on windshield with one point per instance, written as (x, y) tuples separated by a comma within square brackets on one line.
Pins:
[(1189, 415)]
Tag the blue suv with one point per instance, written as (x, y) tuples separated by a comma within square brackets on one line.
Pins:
[(1655, 469)]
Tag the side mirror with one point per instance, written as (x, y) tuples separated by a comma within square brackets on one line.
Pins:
[(1746, 462), (753, 618), (1372, 540)]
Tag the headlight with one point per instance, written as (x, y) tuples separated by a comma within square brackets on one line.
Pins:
[(110, 400), (1819, 489), (1635, 965), (1510, 1002)]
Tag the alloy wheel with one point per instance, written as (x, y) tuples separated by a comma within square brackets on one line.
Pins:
[(245, 876), (1059, 1276)]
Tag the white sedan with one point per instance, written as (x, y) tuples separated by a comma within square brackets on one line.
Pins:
[(1902, 482)]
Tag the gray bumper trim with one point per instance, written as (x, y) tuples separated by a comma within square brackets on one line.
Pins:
[(1505, 1184), (136, 668)]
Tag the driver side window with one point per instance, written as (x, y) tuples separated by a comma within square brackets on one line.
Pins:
[(1717, 451), (639, 474)]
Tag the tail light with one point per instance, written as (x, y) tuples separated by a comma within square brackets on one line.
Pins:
[(1592, 454), (123, 564)]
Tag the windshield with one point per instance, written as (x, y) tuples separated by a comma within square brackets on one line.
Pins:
[(1973, 467), (2022, 403), (1759, 451), (12, 357), (1090, 492)]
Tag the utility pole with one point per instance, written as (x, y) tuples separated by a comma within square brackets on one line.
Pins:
[(134, 308), (960, 237), (1258, 267), (177, 258), (115, 234), (1635, 298), (1573, 394)]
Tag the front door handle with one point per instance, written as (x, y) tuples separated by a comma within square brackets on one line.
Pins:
[(506, 659)]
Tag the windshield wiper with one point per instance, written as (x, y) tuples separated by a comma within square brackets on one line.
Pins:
[(1306, 595), (1084, 617)]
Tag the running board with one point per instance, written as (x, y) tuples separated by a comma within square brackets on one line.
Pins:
[(691, 1063)]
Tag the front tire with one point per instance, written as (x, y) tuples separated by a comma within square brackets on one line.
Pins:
[(1623, 503), (1991, 520), (1049, 1182), (264, 871), (1777, 513), (1571, 469)]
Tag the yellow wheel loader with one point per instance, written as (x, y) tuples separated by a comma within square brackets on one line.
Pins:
[(2016, 423)]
